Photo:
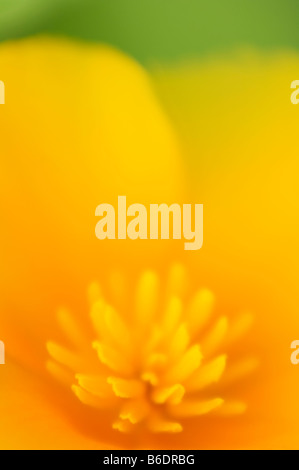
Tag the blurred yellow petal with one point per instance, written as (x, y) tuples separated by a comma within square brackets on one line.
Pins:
[(238, 128), (88, 127), (30, 421)]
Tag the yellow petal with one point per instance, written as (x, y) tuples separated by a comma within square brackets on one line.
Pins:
[(31, 420)]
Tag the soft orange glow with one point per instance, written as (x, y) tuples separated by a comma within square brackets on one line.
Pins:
[(81, 125), (152, 369)]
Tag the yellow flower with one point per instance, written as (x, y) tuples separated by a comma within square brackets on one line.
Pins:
[(82, 125), (153, 368)]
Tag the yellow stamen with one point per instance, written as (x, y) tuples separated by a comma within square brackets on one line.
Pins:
[(135, 411), (151, 371), (172, 395), (172, 315), (177, 281), (96, 385), (65, 356), (126, 388), (89, 399), (239, 370), (179, 342), (189, 362), (112, 358), (207, 374), (60, 373), (70, 327), (239, 327), (94, 293), (214, 338), (231, 408), (160, 425), (118, 329), (195, 408), (199, 311)]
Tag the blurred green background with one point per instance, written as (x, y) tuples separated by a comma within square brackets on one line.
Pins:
[(158, 30)]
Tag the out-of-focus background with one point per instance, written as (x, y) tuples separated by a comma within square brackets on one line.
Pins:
[(155, 30)]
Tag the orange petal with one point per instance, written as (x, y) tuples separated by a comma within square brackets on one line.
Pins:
[(28, 418)]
